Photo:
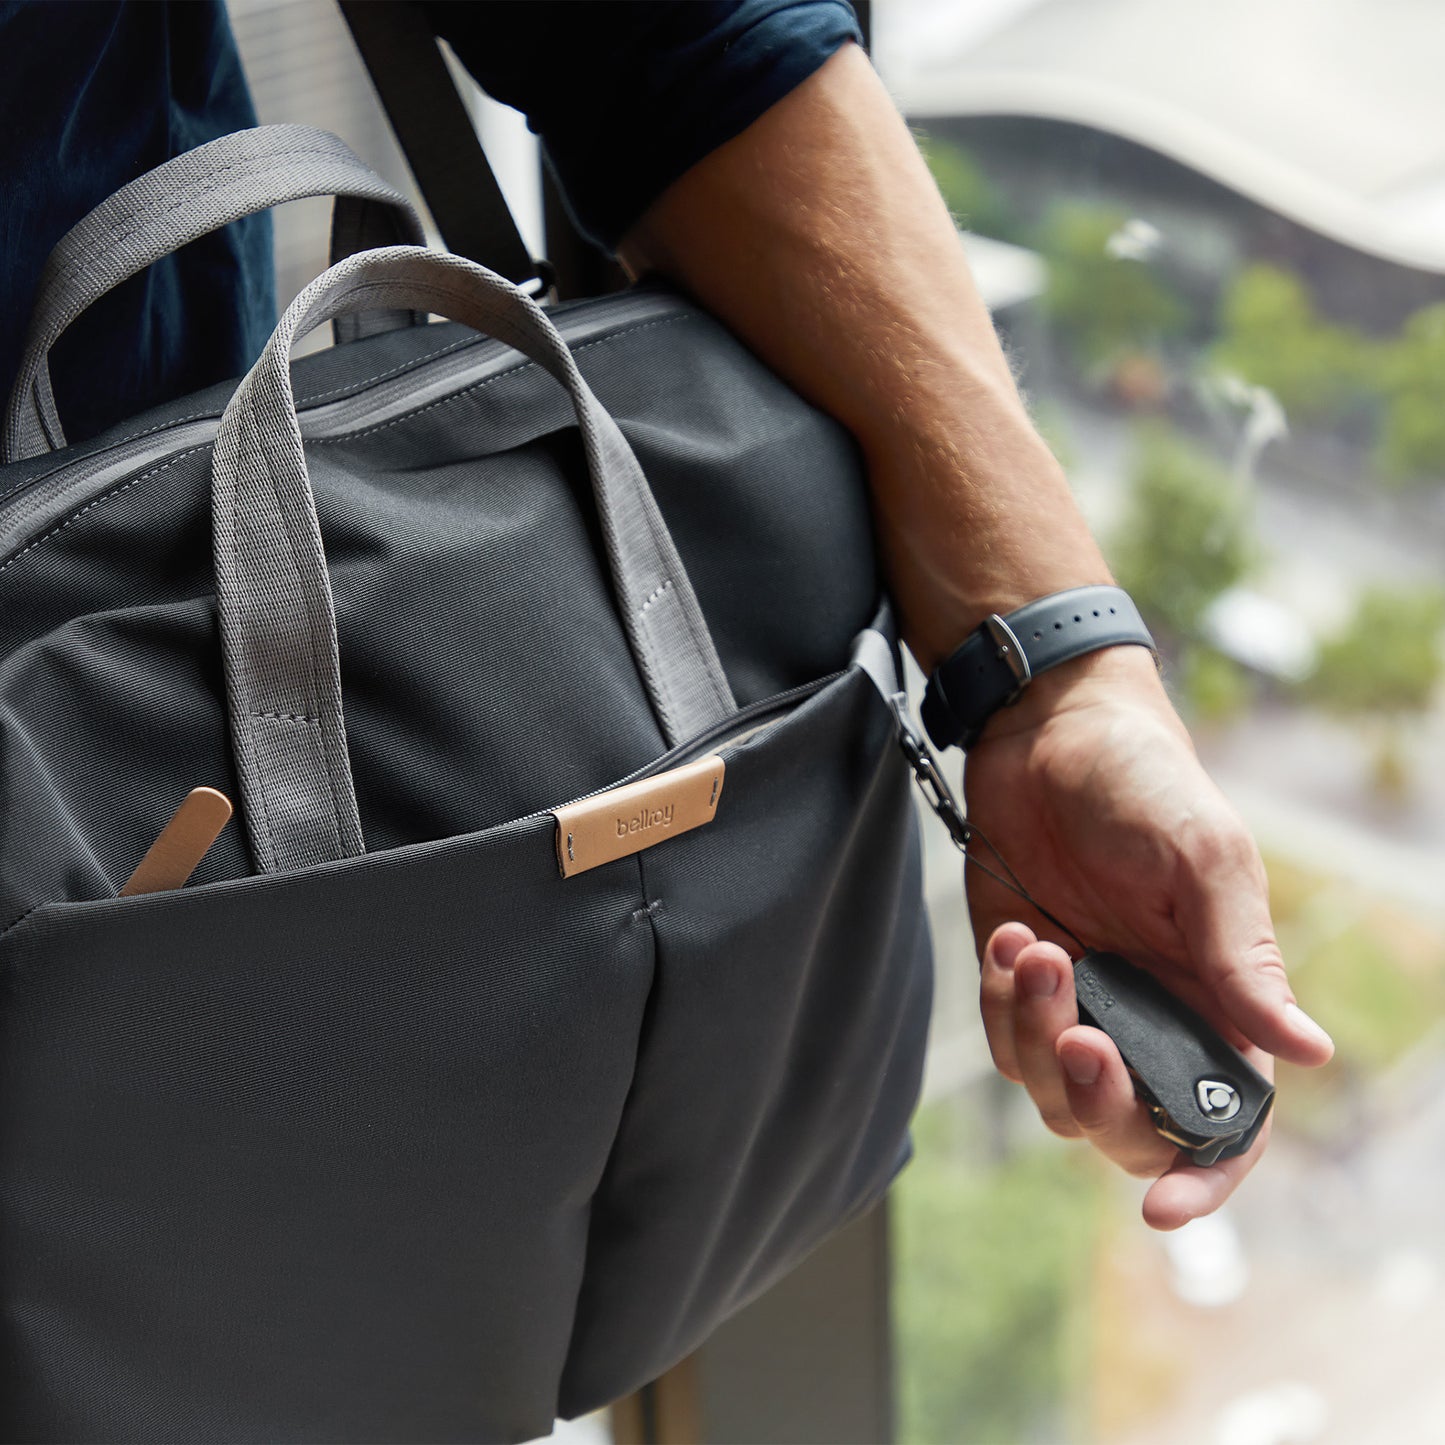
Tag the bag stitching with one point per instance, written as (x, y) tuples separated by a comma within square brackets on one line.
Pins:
[(266, 787), (332, 762), (664, 683), (457, 345), (96, 501), (491, 380), (263, 836), (316, 441), (317, 688), (656, 593), (442, 290), (32, 481), (16, 922), (310, 400), (653, 520), (687, 620)]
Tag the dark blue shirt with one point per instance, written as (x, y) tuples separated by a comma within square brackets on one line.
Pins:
[(625, 96)]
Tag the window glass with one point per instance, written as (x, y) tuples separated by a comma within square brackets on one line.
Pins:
[(1226, 304)]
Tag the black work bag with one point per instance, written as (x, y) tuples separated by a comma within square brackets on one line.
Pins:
[(395, 1124)]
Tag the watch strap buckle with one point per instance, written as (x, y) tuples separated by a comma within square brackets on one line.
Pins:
[(1010, 652)]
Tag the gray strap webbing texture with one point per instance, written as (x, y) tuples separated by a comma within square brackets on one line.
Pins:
[(161, 211), (278, 625)]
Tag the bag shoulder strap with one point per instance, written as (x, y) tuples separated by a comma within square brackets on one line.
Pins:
[(399, 48)]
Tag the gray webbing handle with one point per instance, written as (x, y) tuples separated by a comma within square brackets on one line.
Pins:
[(163, 210), (277, 621)]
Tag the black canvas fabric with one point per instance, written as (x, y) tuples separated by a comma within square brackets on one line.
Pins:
[(433, 1144)]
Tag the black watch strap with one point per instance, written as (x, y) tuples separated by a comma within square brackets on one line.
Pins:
[(1003, 655)]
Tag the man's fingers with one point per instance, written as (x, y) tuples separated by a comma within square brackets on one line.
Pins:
[(1101, 1098), (1119, 1127), (1078, 1080), (996, 995), (1224, 916), (1044, 1008), (1187, 1192)]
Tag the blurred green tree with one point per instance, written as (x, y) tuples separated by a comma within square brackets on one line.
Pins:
[(1387, 660), (1052, 423), (1412, 431), (1384, 667), (991, 1269), (971, 196), (1214, 689), (1271, 334), (1186, 534), (1105, 307)]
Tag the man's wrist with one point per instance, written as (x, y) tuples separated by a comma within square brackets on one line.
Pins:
[(998, 663), (1108, 675)]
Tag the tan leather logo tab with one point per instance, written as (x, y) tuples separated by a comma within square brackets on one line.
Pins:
[(637, 815)]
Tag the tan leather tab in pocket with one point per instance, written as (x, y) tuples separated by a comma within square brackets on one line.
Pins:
[(637, 815)]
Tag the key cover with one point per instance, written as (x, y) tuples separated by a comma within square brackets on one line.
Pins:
[(1203, 1094)]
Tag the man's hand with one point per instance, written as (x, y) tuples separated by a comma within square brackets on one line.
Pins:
[(1091, 790)]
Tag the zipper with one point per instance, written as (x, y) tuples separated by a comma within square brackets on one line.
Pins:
[(47, 500), (747, 721)]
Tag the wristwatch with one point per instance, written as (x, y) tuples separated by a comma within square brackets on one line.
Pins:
[(1004, 654)]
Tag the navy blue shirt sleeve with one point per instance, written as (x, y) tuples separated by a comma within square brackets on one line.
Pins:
[(91, 96), (628, 95)]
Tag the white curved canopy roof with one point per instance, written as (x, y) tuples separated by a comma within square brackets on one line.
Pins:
[(1329, 111)]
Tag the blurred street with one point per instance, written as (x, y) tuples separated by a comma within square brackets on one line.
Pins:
[(1300, 777), (1334, 1338)]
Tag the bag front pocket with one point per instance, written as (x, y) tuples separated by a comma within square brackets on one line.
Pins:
[(783, 1049), (310, 1157)]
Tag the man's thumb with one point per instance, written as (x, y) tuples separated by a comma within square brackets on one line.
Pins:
[(1223, 899)]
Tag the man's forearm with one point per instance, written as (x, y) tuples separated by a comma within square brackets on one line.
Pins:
[(819, 236)]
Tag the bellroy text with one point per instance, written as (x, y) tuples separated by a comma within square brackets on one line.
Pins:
[(656, 818)]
